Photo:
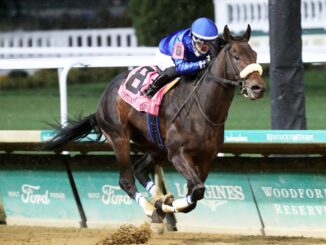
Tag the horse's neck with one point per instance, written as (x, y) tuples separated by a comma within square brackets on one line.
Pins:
[(214, 97)]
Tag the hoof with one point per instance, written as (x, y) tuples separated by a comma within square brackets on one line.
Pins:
[(167, 199), (158, 228), (164, 205), (157, 224)]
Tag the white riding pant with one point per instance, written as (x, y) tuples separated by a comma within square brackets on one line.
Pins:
[(163, 61)]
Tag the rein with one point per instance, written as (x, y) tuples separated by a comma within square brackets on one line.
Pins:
[(190, 95), (237, 83)]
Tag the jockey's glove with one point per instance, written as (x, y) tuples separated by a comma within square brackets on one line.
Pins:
[(208, 61), (205, 63)]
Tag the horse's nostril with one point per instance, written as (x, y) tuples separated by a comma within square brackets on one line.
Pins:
[(256, 89)]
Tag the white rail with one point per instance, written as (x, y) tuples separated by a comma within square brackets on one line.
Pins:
[(103, 42), (122, 58), (114, 37), (15, 58), (65, 64), (87, 61), (74, 51), (237, 13)]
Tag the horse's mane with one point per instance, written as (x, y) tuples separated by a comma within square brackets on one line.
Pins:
[(214, 50), (217, 46), (220, 42), (238, 38)]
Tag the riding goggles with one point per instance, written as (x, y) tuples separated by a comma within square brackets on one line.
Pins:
[(201, 45)]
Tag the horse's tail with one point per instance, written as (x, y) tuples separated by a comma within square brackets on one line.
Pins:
[(75, 130)]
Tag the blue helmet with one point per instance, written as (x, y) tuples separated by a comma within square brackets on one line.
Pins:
[(204, 29)]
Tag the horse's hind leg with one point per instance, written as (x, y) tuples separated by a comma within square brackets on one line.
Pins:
[(143, 167), (121, 147)]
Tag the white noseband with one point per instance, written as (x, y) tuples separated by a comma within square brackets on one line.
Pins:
[(250, 69)]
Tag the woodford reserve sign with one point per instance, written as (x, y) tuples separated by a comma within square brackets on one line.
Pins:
[(291, 203)]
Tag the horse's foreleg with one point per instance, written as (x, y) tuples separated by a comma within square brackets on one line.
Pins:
[(127, 180), (184, 164), (203, 170)]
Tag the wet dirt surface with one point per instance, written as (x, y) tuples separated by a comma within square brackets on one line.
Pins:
[(11, 235)]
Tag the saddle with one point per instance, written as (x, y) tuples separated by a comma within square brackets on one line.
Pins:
[(137, 81)]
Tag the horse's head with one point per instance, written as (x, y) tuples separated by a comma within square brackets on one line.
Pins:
[(239, 64)]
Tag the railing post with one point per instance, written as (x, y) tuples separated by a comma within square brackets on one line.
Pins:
[(63, 77), (63, 74)]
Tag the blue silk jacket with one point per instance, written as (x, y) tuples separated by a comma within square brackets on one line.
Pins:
[(179, 46)]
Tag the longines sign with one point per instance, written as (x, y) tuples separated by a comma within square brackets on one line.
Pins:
[(215, 195), (226, 193)]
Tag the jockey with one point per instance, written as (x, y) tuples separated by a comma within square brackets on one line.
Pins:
[(184, 52)]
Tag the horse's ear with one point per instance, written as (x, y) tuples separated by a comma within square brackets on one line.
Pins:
[(227, 34), (247, 34)]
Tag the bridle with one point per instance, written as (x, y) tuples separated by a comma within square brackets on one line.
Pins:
[(238, 82), (240, 77)]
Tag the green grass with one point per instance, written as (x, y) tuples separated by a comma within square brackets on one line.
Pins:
[(246, 114), (31, 108)]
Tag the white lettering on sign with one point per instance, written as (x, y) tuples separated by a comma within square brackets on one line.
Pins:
[(216, 192), (213, 204), (291, 137), (29, 196), (110, 196), (58, 195), (236, 139), (293, 193), (13, 194), (215, 195), (302, 210), (94, 195)]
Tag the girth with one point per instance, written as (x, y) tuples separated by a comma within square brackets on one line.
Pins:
[(154, 130)]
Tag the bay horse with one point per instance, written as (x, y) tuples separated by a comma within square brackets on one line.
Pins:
[(191, 122)]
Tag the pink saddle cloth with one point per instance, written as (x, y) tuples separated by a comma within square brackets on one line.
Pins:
[(136, 83)]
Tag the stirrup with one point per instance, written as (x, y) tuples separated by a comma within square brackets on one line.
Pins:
[(150, 91)]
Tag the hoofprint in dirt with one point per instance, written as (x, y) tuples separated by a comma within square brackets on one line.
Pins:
[(85, 236)]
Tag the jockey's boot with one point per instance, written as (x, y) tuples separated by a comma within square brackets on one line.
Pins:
[(164, 78), (158, 83)]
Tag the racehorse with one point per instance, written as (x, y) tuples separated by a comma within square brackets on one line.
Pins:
[(191, 122)]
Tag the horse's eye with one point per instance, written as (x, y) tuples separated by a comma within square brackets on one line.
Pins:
[(237, 57)]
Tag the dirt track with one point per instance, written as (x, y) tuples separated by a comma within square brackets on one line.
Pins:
[(69, 236)]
